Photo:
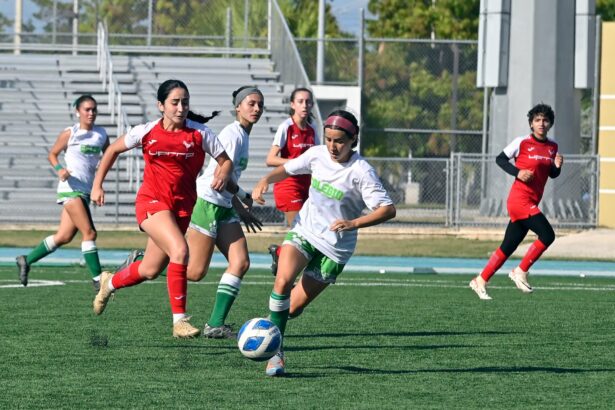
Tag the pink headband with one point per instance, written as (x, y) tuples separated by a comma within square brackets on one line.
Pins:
[(342, 123)]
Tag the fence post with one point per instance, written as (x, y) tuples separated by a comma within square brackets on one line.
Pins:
[(229, 29), (150, 8), (75, 26), (596, 90)]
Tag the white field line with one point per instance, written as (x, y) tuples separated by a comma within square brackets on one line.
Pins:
[(354, 282)]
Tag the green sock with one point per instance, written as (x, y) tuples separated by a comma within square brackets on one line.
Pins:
[(43, 249), (90, 254), (228, 289), (279, 306)]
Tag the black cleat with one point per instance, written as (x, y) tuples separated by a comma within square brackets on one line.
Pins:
[(273, 251), (96, 285), (23, 269)]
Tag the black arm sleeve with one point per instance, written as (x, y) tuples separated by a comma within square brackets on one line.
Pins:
[(555, 171), (504, 162)]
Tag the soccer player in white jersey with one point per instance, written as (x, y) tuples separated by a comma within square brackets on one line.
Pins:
[(325, 232), (215, 221), (83, 144)]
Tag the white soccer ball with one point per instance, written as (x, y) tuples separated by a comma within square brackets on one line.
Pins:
[(259, 339)]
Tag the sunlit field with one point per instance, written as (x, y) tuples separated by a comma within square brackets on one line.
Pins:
[(371, 341)]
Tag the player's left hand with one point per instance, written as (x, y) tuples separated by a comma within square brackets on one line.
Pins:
[(341, 225), (559, 160), (246, 216)]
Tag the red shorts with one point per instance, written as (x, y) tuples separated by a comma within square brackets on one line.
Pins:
[(143, 209), (520, 209), (290, 199)]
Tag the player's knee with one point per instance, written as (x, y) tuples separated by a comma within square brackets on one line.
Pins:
[(240, 266), (195, 274), (547, 239), (179, 254)]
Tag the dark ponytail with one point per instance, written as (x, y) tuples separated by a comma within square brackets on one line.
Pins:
[(199, 118)]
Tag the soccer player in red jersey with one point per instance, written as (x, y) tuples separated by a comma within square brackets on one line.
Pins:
[(536, 159), (174, 150), (294, 136)]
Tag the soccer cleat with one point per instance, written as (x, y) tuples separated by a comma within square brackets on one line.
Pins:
[(103, 295), (520, 279), (182, 329), (275, 365), (273, 251), (479, 290), (134, 255), (96, 285), (22, 269), (219, 332)]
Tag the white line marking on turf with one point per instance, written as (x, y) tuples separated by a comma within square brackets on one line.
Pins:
[(33, 284), (349, 282)]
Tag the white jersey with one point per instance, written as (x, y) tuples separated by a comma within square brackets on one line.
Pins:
[(236, 143), (338, 191), (82, 155)]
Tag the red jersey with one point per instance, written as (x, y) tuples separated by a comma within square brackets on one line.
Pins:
[(534, 155), (294, 141), (172, 163)]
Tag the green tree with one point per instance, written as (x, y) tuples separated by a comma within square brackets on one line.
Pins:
[(606, 9), (447, 19), (410, 86)]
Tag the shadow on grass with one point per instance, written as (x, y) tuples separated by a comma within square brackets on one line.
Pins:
[(371, 347), (513, 369), (401, 334)]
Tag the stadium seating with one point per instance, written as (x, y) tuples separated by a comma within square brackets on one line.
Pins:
[(36, 95)]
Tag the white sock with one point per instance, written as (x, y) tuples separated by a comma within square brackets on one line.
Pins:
[(178, 316), (97, 278), (110, 285)]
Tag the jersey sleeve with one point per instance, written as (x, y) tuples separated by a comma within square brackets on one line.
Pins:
[(211, 143), (512, 149), (373, 192), (300, 165), (134, 137), (230, 143), (279, 138)]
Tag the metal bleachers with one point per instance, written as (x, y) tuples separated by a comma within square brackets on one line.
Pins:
[(36, 95)]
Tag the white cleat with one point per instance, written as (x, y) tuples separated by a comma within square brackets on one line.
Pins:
[(520, 279), (479, 290)]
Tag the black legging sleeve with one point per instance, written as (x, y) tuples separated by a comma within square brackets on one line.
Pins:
[(504, 162), (554, 171)]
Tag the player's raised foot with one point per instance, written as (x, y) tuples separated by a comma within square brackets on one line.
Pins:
[(22, 269), (133, 256), (273, 251), (104, 293), (182, 329), (479, 289), (219, 332), (520, 279), (275, 365)]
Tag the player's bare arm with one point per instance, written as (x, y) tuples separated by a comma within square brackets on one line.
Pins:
[(60, 145), (379, 215), (108, 159)]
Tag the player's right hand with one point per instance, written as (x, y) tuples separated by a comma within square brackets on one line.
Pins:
[(525, 175), (259, 190), (63, 174), (98, 196)]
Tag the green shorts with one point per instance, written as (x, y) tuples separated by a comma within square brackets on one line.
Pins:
[(206, 217), (64, 197), (320, 267)]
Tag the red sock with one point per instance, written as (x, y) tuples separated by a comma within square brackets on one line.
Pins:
[(278, 250), (495, 262), (177, 285), (533, 253), (129, 276)]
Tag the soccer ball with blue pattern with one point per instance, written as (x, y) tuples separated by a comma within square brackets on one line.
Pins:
[(259, 339)]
